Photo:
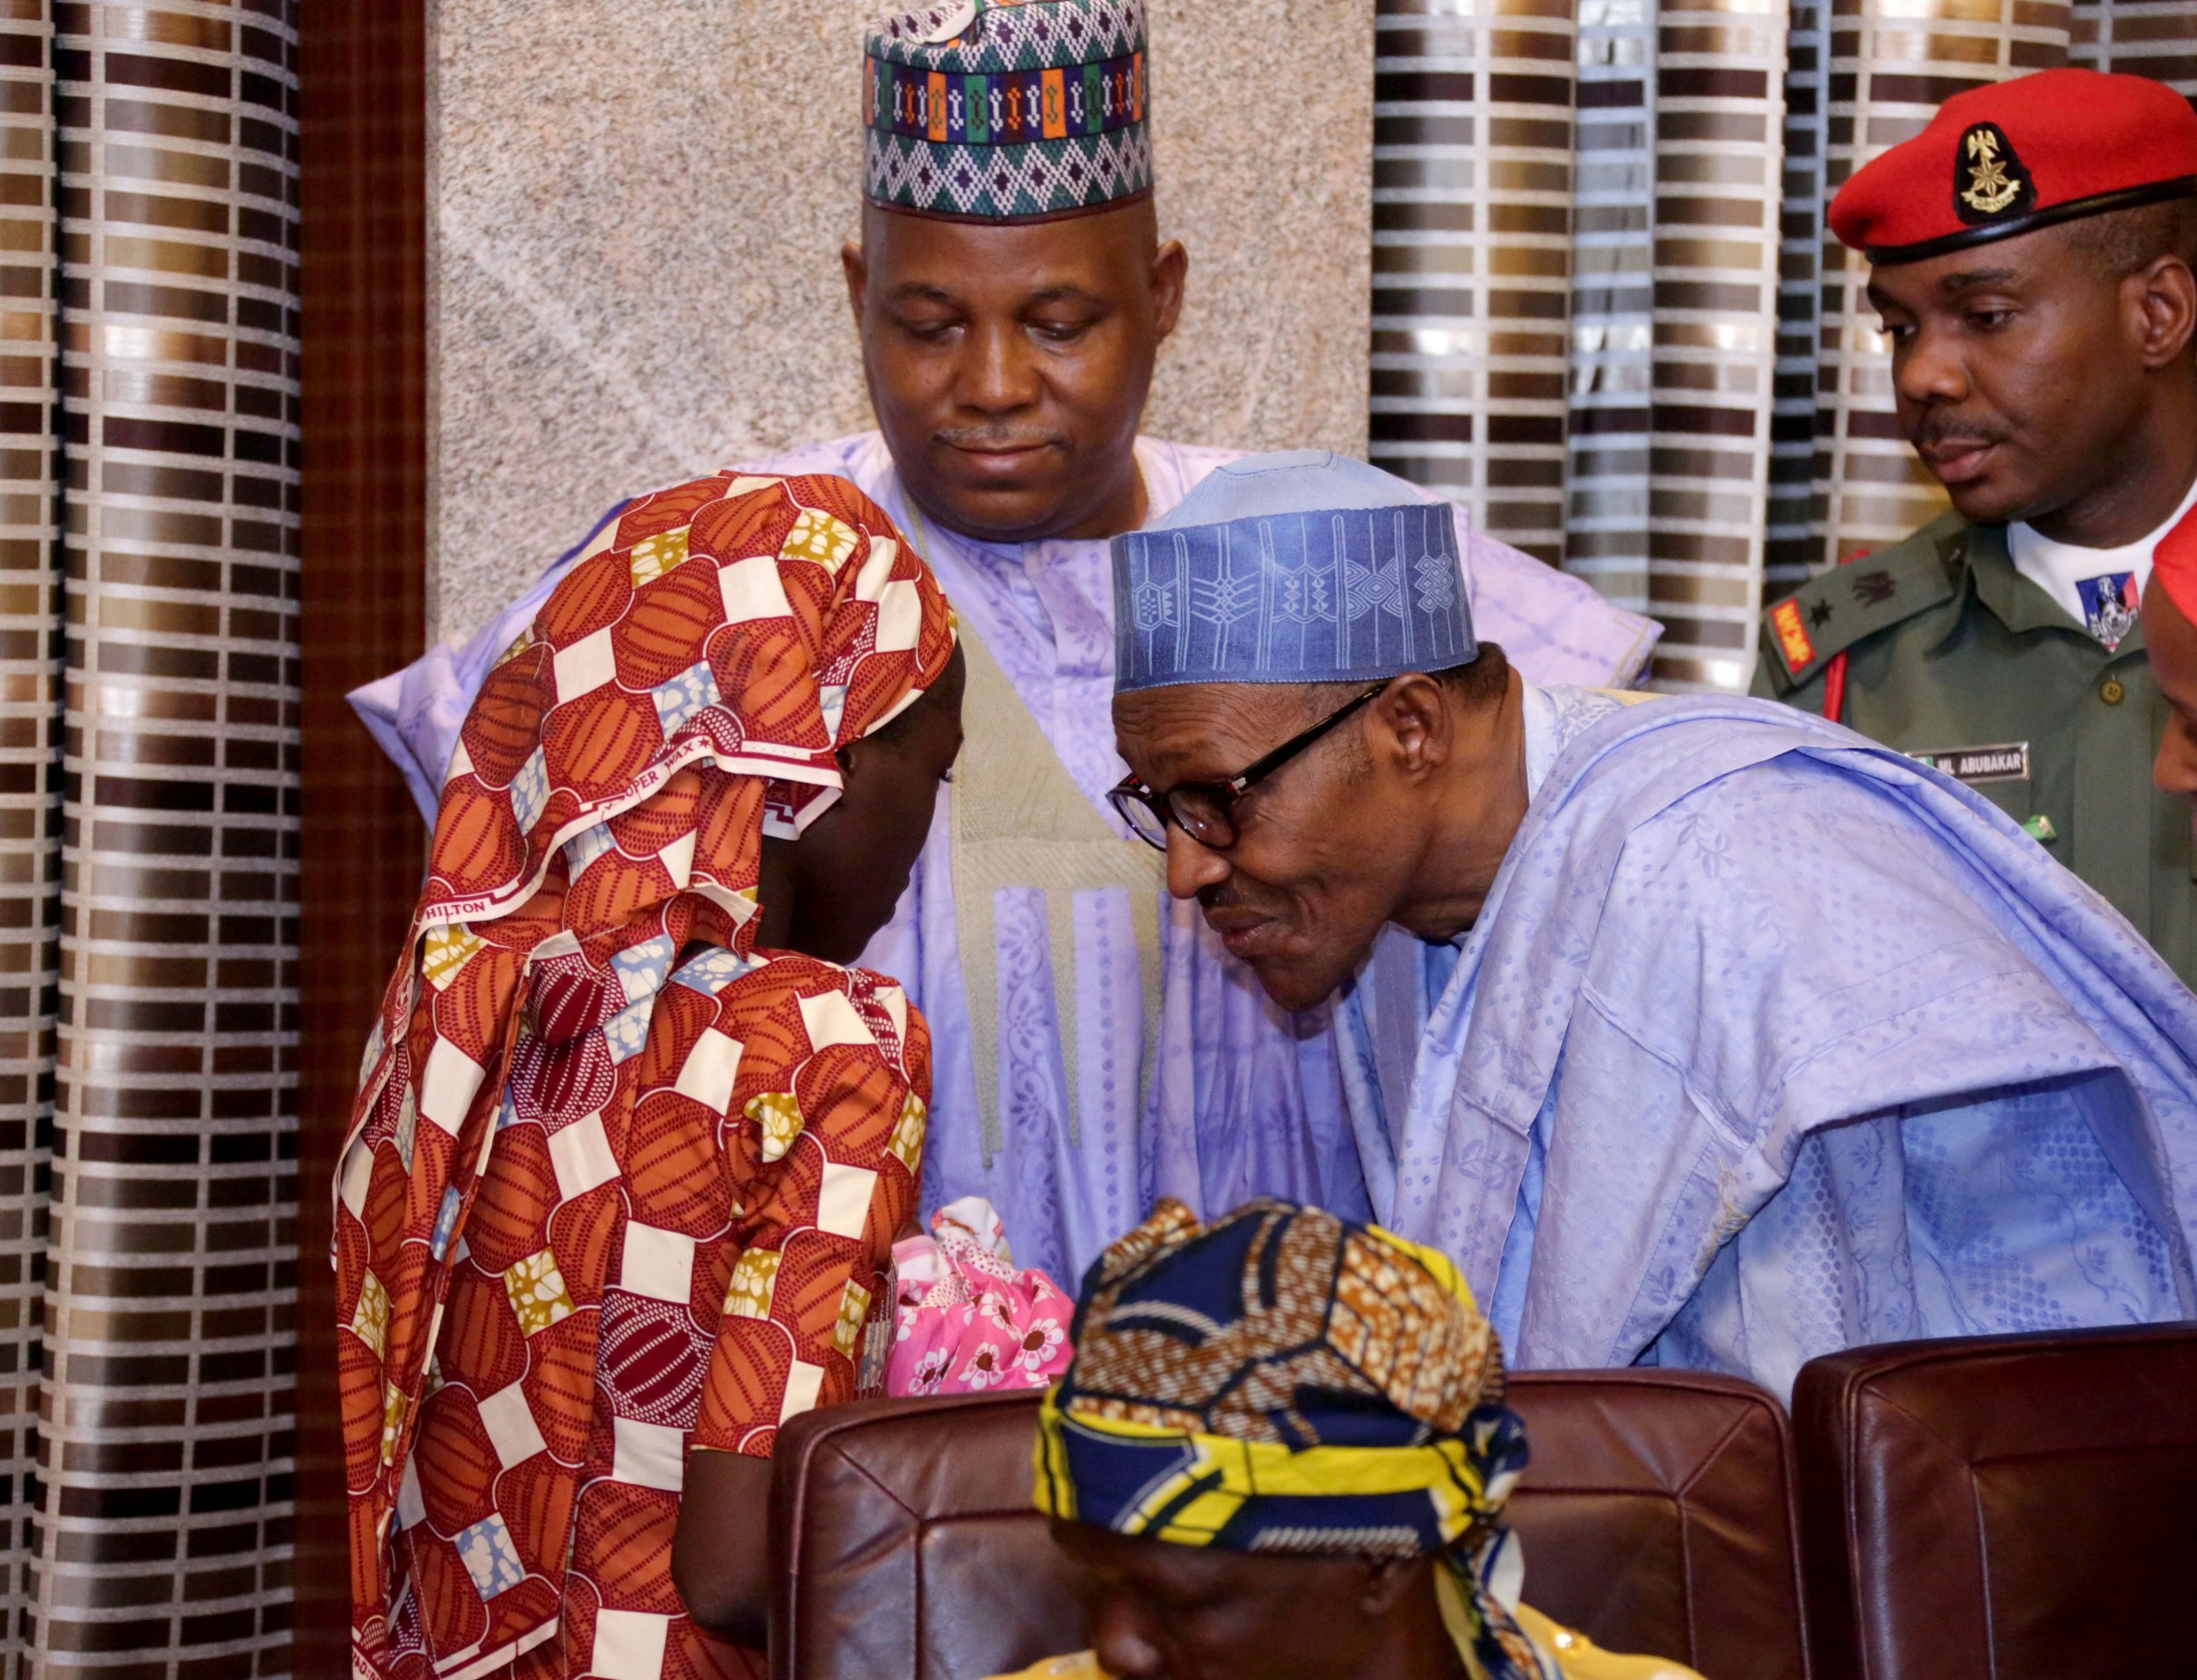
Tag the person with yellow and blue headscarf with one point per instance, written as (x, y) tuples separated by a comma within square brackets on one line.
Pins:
[(1282, 1449)]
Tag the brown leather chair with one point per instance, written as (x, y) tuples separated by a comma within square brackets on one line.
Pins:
[(906, 1544), (2002, 1508), (1657, 1516)]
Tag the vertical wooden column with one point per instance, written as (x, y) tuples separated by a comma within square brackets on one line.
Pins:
[(1719, 141), (169, 1406), (1473, 182), (364, 103), (30, 774), (1612, 306), (1793, 547), (2153, 38)]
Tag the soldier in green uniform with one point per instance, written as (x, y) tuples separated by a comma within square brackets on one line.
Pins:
[(2031, 257)]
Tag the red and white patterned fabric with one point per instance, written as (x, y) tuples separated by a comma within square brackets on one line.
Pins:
[(618, 1182)]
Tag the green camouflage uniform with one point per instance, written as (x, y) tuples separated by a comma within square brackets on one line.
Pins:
[(1952, 655)]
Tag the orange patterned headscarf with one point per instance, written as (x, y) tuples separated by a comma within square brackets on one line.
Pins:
[(682, 693), (756, 625)]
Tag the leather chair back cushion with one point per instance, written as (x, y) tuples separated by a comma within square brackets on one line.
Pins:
[(1656, 1517), (910, 1545), (2019, 1507)]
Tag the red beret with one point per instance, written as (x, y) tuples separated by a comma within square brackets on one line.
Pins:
[(2018, 155)]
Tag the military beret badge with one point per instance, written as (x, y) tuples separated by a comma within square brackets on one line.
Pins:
[(1989, 181)]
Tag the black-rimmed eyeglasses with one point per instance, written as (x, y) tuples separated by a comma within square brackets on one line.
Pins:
[(1206, 811)]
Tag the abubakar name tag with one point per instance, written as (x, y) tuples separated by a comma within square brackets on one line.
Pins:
[(2008, 762)]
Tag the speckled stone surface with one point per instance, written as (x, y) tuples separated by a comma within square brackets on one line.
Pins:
[(640, 204)]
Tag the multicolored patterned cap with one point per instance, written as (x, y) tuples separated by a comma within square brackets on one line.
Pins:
[(1007, 110), (2018, 155), (1285, 1380), (1302, 567)]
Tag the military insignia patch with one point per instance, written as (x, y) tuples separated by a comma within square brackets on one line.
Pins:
[(1874, 589), (1990, 182), (2109, 606), (1793, 638)]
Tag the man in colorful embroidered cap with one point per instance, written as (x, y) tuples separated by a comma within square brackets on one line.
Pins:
[(1013, 291), (1282, 1449), (1747, 1040), (2030, 254)]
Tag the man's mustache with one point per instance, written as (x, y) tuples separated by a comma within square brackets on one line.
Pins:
[(1225, 896), (995, 437), (1935, 430)]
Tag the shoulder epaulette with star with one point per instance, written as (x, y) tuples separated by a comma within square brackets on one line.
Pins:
[(1831, 613)]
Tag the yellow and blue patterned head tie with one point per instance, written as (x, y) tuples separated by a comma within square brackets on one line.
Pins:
[(1284, 1380), (1007, 110)]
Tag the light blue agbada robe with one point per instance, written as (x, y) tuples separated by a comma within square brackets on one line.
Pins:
[(1770, 1042)]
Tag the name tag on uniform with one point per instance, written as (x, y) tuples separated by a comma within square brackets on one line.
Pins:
[(2007, 762)]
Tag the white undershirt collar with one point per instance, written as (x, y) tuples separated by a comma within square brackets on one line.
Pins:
[(2062, 569)]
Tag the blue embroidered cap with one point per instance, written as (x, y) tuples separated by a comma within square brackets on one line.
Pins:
[(1296, 567)]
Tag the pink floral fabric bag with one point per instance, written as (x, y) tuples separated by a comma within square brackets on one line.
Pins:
[(969, 1321)]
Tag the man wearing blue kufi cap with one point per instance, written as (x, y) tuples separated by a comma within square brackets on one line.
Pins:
[(1012, 293), (1744, 1039)]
